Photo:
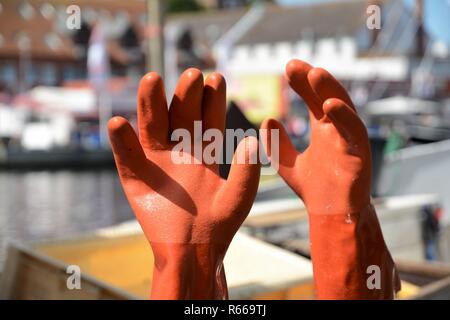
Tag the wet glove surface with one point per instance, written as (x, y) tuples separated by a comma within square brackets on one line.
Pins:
[(187, 212), (332, 177)]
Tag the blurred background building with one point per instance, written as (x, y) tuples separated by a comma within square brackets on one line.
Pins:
[(250, 45), (39, 49), (59, 85)]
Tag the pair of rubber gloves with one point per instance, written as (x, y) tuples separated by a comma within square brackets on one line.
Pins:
[(189, 214)]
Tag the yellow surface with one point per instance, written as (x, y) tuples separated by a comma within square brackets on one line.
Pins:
[(258, 96), (408, 290), (126, 262)]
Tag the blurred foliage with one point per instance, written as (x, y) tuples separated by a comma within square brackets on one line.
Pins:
[(184, 5), (225, 3), (194, 5)]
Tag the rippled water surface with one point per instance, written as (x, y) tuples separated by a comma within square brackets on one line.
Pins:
[(43, 205)]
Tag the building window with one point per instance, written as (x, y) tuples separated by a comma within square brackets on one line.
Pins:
[(31, 76), (48, 74), (69, 73), (2, 40), (26, 10), (8, 73)]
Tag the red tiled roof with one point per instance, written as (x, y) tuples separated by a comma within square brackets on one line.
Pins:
[(41, 31)]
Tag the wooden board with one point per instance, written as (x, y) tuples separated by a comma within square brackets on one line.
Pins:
[(30, 275), (121, 258)]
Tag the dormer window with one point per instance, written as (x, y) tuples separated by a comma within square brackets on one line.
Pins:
[(26, 10), (47, 10)]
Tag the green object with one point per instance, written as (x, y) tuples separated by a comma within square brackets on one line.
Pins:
[(394, 142), (184, 5)]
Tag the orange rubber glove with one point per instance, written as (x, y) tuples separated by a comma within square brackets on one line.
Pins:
[(187, 212), (332, 177)]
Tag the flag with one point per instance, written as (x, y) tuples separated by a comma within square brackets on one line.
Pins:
[(97, 58)]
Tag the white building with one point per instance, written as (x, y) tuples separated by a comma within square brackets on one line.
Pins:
[(330, 35)]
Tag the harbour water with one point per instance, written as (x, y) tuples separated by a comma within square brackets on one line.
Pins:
[(48, 205)]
